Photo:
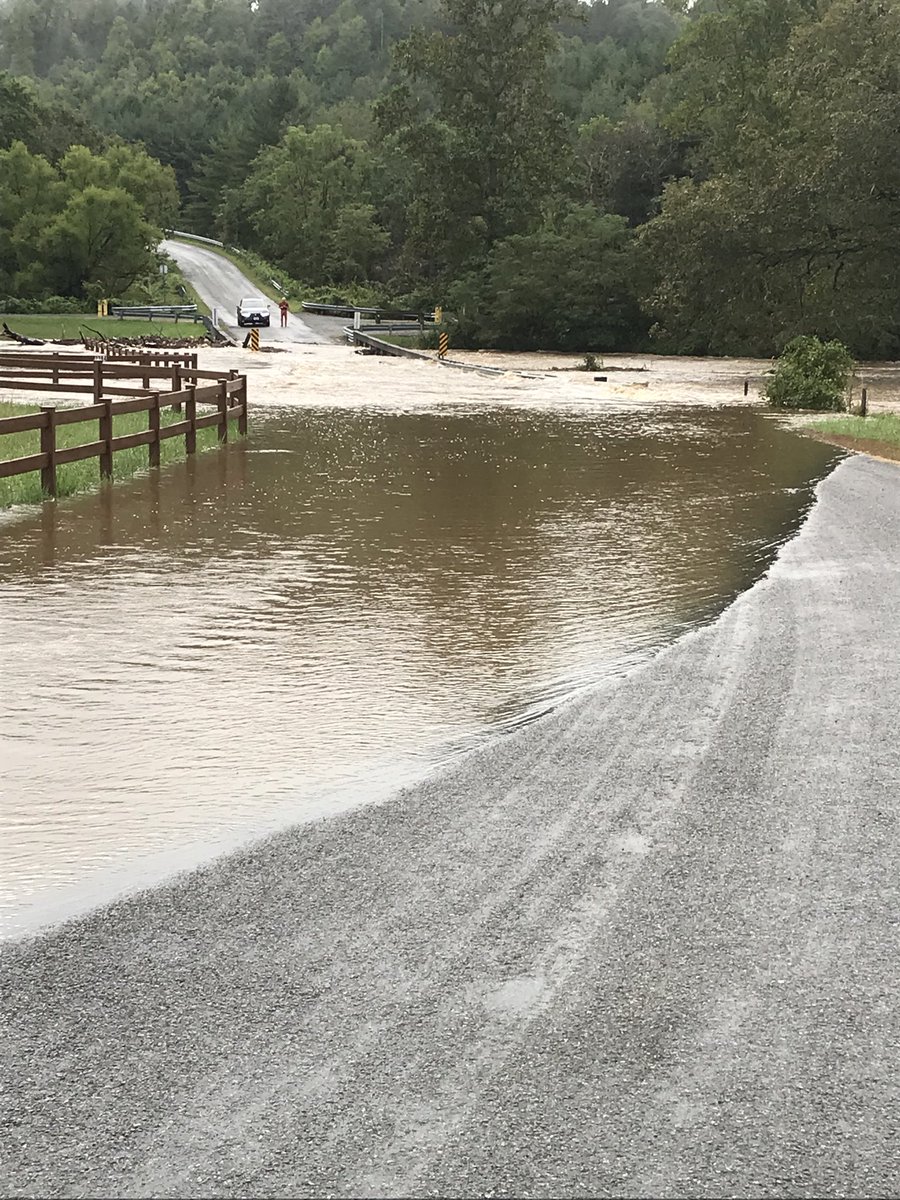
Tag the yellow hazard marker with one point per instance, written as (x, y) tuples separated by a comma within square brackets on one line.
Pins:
[(438, 315), (443, 344), (254, 339)]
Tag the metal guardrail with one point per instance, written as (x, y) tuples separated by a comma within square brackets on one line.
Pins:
[(193, 237), (379, 314), (152, 311)]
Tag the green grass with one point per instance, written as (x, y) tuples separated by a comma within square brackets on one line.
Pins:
[(65, 326), (85, 475), (881, 427)]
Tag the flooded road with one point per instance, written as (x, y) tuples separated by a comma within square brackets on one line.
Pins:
[(303, 622)]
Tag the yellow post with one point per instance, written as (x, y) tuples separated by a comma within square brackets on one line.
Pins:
[(254, 339), (438, 315), (443, 344)]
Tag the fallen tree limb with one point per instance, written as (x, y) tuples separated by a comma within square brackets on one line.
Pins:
[(18, 337)]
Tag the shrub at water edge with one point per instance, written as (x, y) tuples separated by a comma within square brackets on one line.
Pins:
[(811, 374)]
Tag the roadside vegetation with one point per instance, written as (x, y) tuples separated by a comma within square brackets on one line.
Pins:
[(84, 476), (71, 327), (591, 177), (811, 375), (264, 275), (877, 434)]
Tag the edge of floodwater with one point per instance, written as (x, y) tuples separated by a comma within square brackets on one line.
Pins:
[(395, 793)]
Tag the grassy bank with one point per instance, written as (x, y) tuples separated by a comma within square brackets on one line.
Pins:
[(69, 326), (878, 434), (85, 475)]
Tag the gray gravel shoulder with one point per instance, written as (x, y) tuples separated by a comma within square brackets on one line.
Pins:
[(644, 946)]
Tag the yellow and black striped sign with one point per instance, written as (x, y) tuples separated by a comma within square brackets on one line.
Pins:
[(443, 344), (254, 339)]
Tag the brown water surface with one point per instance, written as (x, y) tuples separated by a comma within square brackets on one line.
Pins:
[(304, 621)]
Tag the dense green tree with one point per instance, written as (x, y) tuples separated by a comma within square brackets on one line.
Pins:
[(475, 116), (46, 128), (98, 245), (306, 205), (567, 285), (622, 166), (79, 228), (794, 233)]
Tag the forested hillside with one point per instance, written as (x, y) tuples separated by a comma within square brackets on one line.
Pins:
[(594, 176)]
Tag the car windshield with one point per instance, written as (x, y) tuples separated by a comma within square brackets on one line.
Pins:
[(253, 302)]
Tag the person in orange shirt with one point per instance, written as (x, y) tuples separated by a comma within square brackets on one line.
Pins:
[(285, 309)]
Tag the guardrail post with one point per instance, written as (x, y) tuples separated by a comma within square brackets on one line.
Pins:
[(154, 429), (176, 384), (223, 411), (242, 416), (48, 447), (106, 433), (190, 411)]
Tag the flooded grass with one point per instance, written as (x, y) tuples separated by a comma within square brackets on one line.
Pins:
[(70, 326), (878, 434), (85, 475)]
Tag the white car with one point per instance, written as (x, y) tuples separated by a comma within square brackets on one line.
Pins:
[(253, 310)]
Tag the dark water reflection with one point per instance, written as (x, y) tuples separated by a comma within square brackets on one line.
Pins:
[(302, 622)]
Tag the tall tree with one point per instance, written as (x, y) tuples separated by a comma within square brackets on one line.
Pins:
[(306, 204), (795, 231), (475, 115)]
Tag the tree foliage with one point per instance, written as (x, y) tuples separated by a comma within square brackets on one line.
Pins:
[(84, 227), (723, 174), (811, 374), (565, 285)]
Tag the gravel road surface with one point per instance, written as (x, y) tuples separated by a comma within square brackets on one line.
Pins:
[(645, 946), (221, 285)]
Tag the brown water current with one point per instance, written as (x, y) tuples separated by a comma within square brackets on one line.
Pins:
[(307, 620)]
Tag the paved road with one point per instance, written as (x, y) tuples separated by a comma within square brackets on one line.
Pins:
[(221, 285), (646, 946)]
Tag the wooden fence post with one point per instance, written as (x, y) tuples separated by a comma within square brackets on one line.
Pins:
[(48, 447), (223, 411), (864, 402), (176, 383), (98, 380), (106, 433), (190, 411), (154, 429), (55, 369), (242, 419)]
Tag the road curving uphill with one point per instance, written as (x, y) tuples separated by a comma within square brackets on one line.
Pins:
[(644, 946), (222, 286)]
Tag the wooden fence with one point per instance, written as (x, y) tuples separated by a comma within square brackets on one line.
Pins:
[(106, 382)]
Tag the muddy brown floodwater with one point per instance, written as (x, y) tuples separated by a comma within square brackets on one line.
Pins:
[(399, 562)]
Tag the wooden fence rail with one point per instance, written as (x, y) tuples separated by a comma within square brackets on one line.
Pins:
[(74, 374)]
